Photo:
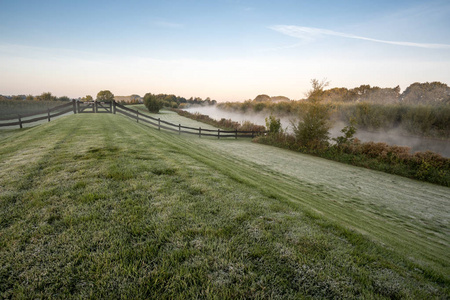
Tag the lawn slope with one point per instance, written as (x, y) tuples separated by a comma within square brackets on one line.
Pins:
[(97, 206)]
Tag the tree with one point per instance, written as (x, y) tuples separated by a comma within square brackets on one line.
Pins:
[(316, 93), (63, 98), (18, 97), (105, 96), (426, 93), (312, 131), (88, 98), (46, 97), (152, 103), (262, 98)]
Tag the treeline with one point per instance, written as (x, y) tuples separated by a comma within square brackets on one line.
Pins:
[(43, 97), (167, 100), (172, 101), (154, 102), (434, 93), (422, 109)]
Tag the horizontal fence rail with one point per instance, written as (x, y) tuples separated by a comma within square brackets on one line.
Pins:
[(39, 116), (161, 124)]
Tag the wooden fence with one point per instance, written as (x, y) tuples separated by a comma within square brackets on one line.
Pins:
[(94, 107), (161, 124), (39, 116), (114, 107)]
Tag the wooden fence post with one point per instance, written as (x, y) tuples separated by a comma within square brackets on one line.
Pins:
[(20, 122), (235, 136), (218, 133), (179, 129), (95, 107), (137, 116), (48, 114), (199, 132), (74, 103), (159, 123), (113, 107)]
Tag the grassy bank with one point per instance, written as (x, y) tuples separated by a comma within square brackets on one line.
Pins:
[(96, 206), (424, 166)]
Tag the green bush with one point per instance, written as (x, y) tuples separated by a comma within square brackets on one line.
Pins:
[(312, 130), (152, 103), (273, 125)]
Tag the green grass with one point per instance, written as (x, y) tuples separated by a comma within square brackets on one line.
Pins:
[(99, 206)]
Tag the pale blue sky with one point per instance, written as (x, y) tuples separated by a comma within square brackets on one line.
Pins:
[(226, 50)]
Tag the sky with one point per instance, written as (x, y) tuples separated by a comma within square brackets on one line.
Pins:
[(227, 50)]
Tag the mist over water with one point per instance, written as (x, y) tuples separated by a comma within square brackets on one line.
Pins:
[(390, 137)]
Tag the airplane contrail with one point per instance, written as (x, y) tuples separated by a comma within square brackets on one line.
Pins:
[(308, 33)]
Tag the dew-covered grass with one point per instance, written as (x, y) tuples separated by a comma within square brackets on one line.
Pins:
[(99, 206)]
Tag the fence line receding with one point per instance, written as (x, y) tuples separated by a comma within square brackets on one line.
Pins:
[(113, 107), (161, 124)]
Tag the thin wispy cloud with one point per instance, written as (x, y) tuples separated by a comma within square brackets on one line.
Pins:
[(310, 33)]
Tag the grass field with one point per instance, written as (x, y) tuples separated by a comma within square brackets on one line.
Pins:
[(99, 206)]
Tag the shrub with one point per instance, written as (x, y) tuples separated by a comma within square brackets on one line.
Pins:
[(152, 103), (273, 125), (348, 137), (312, 131)]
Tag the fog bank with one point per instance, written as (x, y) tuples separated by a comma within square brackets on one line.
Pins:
[(391, 137)]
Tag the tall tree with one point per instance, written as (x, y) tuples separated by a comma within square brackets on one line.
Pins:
[(312, 131)]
